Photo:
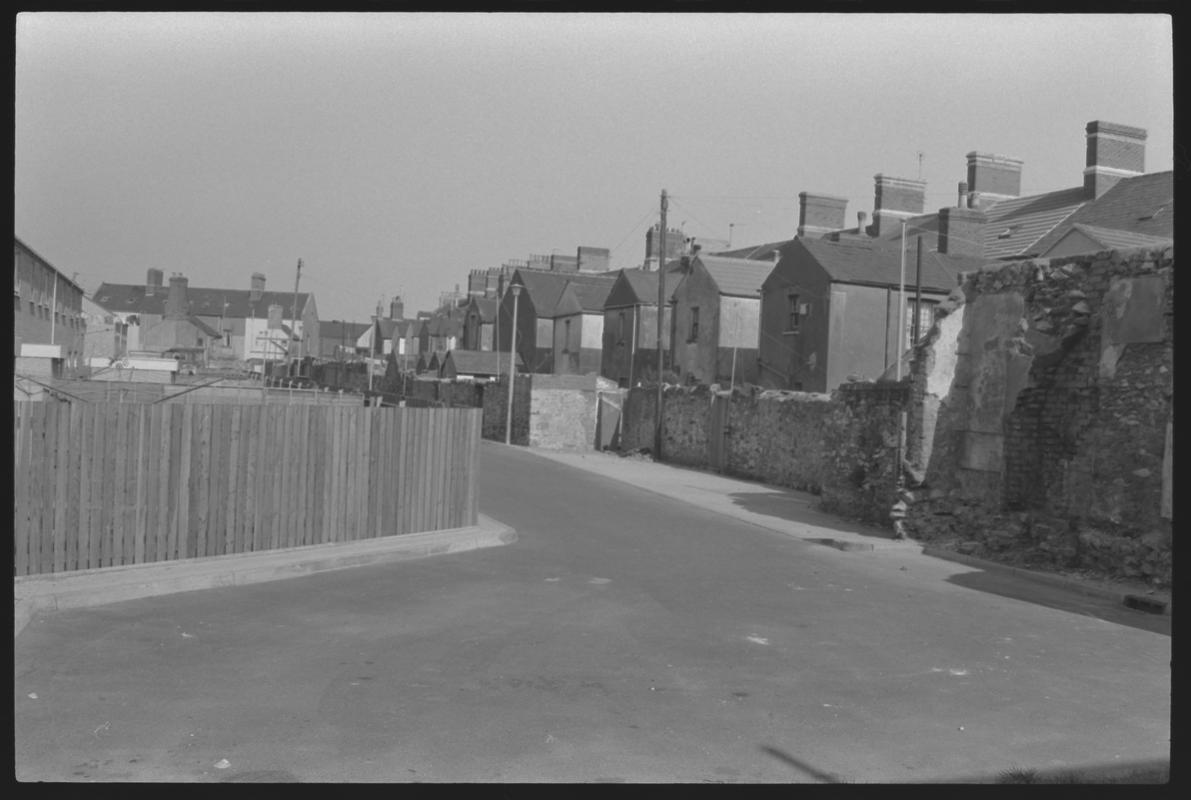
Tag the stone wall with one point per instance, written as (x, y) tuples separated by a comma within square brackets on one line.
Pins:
[(1040, 416), (495, 402), (841, 446)]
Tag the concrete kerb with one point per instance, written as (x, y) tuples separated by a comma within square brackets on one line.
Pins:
[(35, 594)]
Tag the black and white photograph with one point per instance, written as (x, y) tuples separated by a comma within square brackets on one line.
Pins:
[(550, 396)]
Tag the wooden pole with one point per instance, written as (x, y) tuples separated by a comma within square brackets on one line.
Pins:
[(657, 425)]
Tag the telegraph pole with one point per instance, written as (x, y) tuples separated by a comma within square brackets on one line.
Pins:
[(657, 425), (294, 321)]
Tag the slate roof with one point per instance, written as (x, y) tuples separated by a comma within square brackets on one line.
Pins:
[(1016, 224), (335, 330), (640, 287), (1142, 206), (487, 307), (581, 297), (759, 252), (1112, 239), (130, 298), (738, 277), (545, 288), (480, 362), (875, 263)]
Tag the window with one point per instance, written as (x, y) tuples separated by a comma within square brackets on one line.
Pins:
[(694, 334), (793, 312), (925, 314), (620, 329), (566, 336)]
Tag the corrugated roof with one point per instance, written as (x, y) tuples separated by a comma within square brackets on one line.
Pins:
[(1143, 205), (1016, 224), (131, 298), (739, 277), (876, 263)]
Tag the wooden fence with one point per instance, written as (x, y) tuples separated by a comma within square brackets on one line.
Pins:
[(111, 484)]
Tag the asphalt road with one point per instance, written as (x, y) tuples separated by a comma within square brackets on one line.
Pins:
[(623, 637)]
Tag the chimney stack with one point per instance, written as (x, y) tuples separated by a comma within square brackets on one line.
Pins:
[(1113, 152), (861, 223), (258, 288), (397, 308), (895, 200), (153, 281), (177, 305), (992, 178), (820, 214), (593, 259), (961, 231), (961, 200)]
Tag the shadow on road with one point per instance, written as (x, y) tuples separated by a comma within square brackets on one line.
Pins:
[(800, 507), (1064, 599), (801, 766)]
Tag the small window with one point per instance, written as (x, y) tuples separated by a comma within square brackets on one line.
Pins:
[(925, 316), (694, 333), (620, 329), (793, 312), (566, 336)]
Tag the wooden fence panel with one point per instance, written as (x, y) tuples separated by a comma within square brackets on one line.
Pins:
[(111, 484)]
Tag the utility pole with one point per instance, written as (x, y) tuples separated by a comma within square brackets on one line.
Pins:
[(901, 306), (294, 322), (657, 425), (917, 323)]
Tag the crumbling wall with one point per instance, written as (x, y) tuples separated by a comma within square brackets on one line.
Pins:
[(1040, 413)]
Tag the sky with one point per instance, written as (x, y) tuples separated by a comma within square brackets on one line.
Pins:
[(392, 153)]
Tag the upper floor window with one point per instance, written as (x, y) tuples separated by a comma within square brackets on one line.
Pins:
[(620, 328), (694, 331), (793, 311)]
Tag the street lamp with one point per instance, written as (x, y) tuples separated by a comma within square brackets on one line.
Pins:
[(516, 290)]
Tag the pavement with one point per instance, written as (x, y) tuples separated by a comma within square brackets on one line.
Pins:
[(650, 624), (33, 594), (795, 514)]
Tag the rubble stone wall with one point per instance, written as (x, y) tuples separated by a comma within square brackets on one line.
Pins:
[(1041, 407)]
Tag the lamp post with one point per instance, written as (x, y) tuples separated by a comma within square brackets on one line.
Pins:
[(516, 290)]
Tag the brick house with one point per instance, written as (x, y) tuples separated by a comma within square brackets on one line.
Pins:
[(541, 291), (716, 318), (48, 325), (579, 326), (629, 348), (830, 309), (479, 323)]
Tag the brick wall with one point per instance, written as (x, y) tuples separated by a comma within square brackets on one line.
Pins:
[(1040, 414)]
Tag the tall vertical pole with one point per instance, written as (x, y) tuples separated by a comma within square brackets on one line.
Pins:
[(516, 290), (918, 296), (901, 306), (657, 424), (294, 321)]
